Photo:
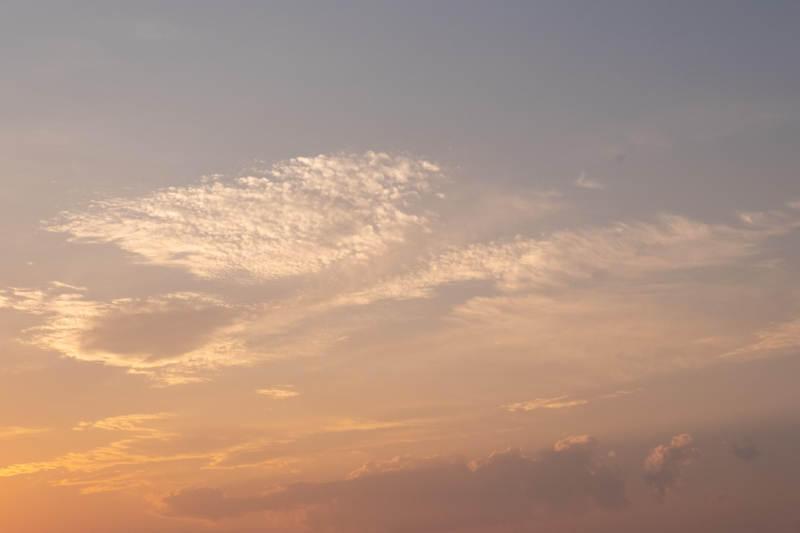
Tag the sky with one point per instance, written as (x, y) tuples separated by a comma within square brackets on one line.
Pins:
[(399, 267)]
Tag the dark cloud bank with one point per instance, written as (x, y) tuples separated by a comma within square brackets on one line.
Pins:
[(410, 495)]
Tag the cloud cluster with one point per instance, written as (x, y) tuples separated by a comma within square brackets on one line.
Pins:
[(297, 217), (406, 494), (366, 221), (664, 466)]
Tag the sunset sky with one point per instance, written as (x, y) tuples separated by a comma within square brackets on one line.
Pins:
[(399, 267)]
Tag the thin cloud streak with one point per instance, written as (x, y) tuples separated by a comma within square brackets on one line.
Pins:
[(588, 183)]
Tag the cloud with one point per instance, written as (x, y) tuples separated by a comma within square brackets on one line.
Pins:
[(664, 465), (371, 227), (123, 423), (135, 449), (408, 494), (167, 337), (347, 424), (297, 217), (546, 403), (746, 450), (776, 339), (623, 251), (277, 394), (562, 401), (11, 432), (588, 183)]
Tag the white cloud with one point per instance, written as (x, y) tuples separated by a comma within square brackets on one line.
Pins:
[(298, 217)]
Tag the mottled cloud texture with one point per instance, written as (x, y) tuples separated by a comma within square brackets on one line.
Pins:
[(664, 466), (297, 217), (406, 494)]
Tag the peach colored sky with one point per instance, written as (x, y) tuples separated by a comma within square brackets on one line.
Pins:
[(418, 268)]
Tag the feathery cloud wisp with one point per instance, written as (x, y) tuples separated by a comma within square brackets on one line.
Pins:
[(588, 183)]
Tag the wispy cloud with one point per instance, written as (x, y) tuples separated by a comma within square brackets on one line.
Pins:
[(773, 340), (277, 394), (561, 401), (128, 451), (545, 403), (588, 183), (623, 250), (123, 423), (11, 432)]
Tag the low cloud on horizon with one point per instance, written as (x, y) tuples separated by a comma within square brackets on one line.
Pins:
[(407, 494)]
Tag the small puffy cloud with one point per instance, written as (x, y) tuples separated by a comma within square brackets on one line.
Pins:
[(408, 494), (277, 394), (664, 465), (746, 450), (588, 183)]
